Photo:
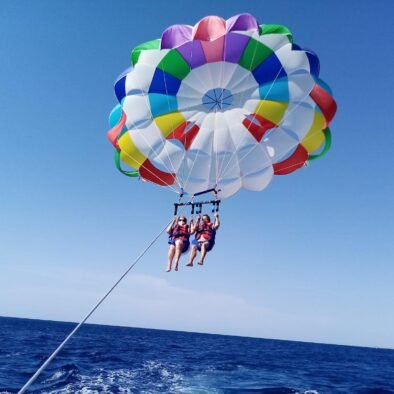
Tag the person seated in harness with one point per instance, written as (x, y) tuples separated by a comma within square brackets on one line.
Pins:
[(179, 233), (205, 237)]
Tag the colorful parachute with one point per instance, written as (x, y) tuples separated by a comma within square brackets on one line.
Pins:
[(222, 104)]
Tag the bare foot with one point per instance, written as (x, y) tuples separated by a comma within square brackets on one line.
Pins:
[(176, 269), (200, 263), (189, 265), (168, 269)]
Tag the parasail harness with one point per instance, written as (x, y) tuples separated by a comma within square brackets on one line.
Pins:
[(196, 206)]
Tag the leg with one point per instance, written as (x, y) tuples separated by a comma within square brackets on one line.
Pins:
[(192, 256), (178, 252), (203, 252), (171, 253)]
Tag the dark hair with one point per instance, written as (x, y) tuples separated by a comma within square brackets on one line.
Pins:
[(209, 219)]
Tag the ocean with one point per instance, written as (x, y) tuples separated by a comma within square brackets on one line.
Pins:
[(107, 359)]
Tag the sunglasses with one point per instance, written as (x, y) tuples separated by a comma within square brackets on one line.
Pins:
[(181, 220)]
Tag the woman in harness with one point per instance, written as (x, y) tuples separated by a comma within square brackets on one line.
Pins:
[(205, 237), (179, 233)]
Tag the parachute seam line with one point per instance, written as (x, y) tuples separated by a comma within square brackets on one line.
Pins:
[(150, 146), (216, 151), (240, 81), (234, 154), (293, 165), (247, 75), (173, 128), (185, 154), (213, 106), (163, 139), (155, 175), (146, 97), (243, 138), (147, 142), (286, 114), (209, 97), (183, 168), (291, 146), (192, 167), (254, 146), (102, 299), (221, 83), (152, 173), (214, 92), (214, 137), (284, 117), (215, 133), (233, 146), (222, 171)]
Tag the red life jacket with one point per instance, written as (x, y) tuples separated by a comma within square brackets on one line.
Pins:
[(207, 231), (180, 232)]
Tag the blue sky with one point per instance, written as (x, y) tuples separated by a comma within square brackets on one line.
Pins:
[(310, 258)]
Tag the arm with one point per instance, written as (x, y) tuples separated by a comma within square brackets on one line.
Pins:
[(216, 225), (194, 226), (191, 225), (170, 226)]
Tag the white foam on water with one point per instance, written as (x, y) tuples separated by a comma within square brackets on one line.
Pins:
[(151, 377), (12, 354), (57, 375)]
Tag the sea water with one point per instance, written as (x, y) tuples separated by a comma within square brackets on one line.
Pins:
[(106, 359)]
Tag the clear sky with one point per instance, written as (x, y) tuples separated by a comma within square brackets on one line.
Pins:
[(310, 258)]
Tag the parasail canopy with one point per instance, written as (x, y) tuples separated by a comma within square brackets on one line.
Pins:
[(224, 104)]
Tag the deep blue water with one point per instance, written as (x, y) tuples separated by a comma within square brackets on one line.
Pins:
[(106, 359)]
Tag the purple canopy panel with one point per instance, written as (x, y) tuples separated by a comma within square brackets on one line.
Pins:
[(193, 53), (241, 22), (234, 47), (176, 35)]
